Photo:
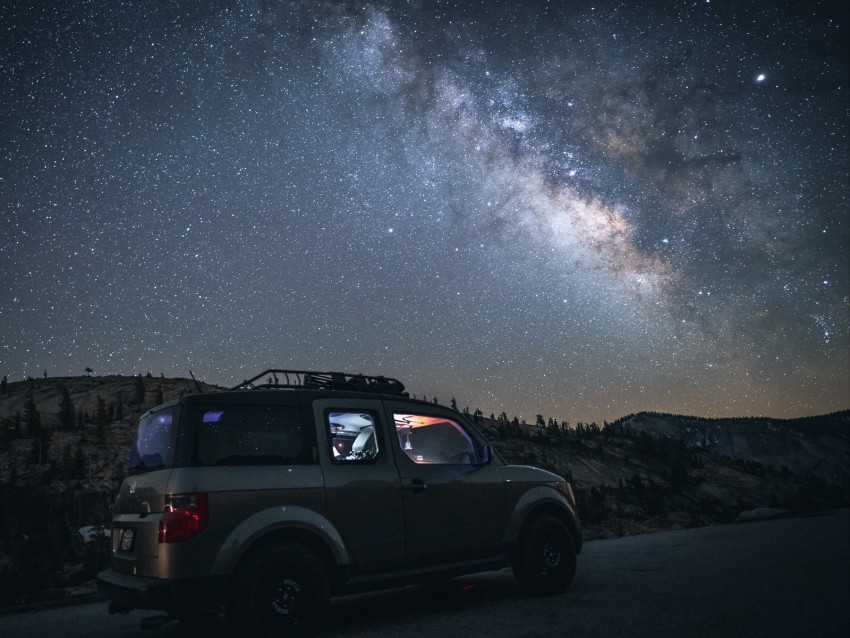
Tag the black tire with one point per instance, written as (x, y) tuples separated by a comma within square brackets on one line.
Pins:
[(281, 591), (544, 561)]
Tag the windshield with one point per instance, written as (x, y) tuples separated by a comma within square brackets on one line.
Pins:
[(153, 448)]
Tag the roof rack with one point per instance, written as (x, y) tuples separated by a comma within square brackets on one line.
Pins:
[(276, 379)]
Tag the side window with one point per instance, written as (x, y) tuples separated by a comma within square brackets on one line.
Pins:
[(251, 435), (353, 436), (433, 439), (153, 448)]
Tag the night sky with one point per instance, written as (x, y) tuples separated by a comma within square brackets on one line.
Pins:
[(579, 209)]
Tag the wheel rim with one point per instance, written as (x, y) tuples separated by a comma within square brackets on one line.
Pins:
[(551, 555), (286, 598), (551, 550), (282, 599)]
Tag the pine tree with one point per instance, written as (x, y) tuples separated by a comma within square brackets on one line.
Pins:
[(454, 404), (5, 434), (66, 410), (32, 418), (138, 391), (35, 429), (79, 461), (102, 419)]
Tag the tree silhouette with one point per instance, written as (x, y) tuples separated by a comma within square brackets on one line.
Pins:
[(66, 410), (32, 418), (138, 391), (35, 429), (102, 419)]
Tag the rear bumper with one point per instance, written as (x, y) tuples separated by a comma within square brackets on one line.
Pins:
[(126, 592)]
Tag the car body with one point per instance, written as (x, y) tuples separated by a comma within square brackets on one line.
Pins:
[(266, 500)]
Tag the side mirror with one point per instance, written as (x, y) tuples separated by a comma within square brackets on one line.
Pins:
[(486, 455)]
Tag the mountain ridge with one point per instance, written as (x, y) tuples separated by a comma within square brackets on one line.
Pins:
[(817, 445)]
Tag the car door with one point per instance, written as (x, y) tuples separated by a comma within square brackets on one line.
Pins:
[(362, 484), (454, 504)]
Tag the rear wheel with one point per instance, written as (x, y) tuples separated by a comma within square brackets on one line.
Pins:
[(545, 558), (282, 591)]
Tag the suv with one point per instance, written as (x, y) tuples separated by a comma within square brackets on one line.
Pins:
[(266, 500)]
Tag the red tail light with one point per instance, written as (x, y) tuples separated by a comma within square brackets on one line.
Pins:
[(185, 516)]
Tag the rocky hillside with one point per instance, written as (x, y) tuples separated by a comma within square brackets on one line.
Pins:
[(63, 444), (816, 446), (76, 431), (632, 481), (64, 441)]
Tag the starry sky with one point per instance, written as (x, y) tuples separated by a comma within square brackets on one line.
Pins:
[(578, 209)]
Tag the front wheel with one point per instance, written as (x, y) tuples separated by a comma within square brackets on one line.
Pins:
[(282, 591), (544, 561)]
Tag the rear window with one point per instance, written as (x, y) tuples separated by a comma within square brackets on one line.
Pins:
[(153, 448), (250, 435)]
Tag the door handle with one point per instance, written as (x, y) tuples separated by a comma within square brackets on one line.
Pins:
[(417, 485)]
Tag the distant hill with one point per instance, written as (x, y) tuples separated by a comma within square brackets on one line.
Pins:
[(638, 475), (97, 428), (817, 446), (114, 390)]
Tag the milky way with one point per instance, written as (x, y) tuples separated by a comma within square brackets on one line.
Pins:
[(578, 209)]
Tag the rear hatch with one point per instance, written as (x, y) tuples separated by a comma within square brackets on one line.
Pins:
[(141, 500)]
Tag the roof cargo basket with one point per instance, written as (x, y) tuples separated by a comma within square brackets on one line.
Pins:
[(278, 379)]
